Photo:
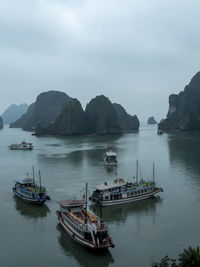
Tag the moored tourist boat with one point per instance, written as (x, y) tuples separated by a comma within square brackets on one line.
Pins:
[(22, 146), (120, 191), (27, 190), (110, 158), (82, 226)]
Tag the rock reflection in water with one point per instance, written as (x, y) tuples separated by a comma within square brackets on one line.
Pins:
[(84, 256), (119, 213), (184, 148), (30, 210)]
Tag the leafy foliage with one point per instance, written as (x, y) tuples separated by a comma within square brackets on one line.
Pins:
[(189, 258)]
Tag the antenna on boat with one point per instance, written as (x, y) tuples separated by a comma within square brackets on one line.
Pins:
[(33, 174), (137, 171), (153, 172), (40, 179)]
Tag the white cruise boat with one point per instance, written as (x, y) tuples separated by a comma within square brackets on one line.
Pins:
[(82, 226), (110, 158), (22, 146), (120, 191)]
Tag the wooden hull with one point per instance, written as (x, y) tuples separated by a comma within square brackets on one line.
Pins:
[(127, 199), (77, 238)]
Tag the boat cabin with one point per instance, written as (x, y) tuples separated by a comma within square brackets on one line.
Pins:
[(119, 189), (71, 205), (110, 158)]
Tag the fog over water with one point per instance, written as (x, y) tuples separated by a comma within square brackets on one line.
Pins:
[(134, 52)]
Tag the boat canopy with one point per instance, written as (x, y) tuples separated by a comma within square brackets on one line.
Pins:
[(68, 203), (110, 154), (114, 184), (25, 181)]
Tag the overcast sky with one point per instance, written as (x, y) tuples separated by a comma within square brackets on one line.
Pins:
[(134, 52)]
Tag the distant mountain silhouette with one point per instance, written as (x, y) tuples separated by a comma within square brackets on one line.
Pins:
[(14, 112), (55, 113), (151, 120)]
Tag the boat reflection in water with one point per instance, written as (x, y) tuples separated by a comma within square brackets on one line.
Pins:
[(119, 213), (31, 211), (83, 255)]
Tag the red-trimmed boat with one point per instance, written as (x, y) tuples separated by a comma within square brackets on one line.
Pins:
[(82, 226)]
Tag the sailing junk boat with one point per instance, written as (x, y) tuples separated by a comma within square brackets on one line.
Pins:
[(82, 226), (119, 191), (27, 190)]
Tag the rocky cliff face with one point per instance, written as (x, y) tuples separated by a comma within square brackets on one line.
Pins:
[(43, 112), (128, 123), (1, 123), (102, 117), (71, 121), (55, 113), (184, 108), (151, 120), (13, 113)]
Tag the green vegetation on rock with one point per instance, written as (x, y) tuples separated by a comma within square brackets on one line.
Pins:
[(43, 112), (127, 122), (55, 113), (184, 108), (102, 117), (71, 121)]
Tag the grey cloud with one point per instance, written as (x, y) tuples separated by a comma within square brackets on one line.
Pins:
[(135, 52)]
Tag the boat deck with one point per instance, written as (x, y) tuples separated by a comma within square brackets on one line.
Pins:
[(80, 217)]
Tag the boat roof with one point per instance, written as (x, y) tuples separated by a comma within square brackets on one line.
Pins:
[(110, 153), (25, 181), (22, 143), (66, 203), (115, 183)]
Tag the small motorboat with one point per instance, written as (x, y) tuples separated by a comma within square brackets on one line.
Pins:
[(22, 146)]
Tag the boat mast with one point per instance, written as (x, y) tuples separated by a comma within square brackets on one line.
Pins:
[(137, 171), (153, 173), (86, 196), (40, 180), (33, 174), (101, 215)]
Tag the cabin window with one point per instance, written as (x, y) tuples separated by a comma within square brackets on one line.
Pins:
[(145, 190), (141, 191), (131, 193), (106, 198), (138, 191)]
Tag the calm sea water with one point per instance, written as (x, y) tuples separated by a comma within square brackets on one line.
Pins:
[(141, 231)]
